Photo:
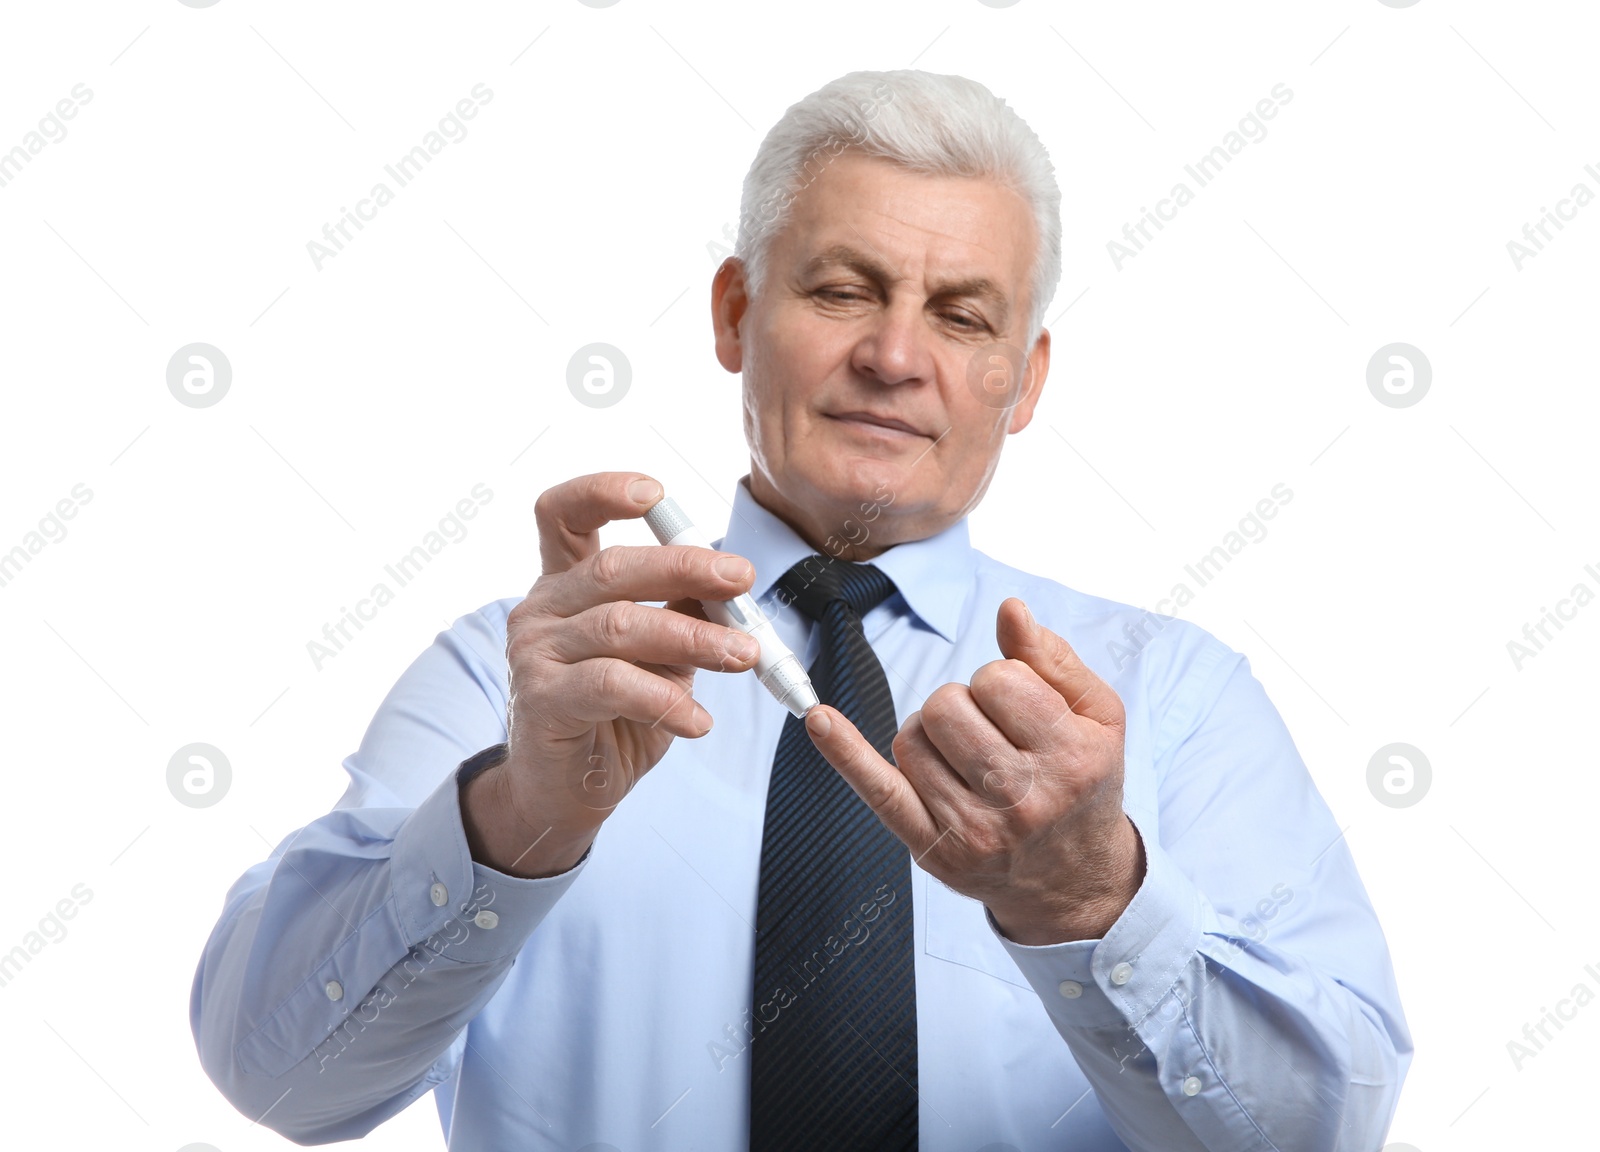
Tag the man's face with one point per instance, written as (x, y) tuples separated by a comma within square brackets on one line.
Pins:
[(886, 291)]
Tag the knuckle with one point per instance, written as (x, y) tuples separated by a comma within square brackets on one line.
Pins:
[(614, 624), (707, 641), (544, 508), (1035, 810), (981, 841), (726, 641), (606, 567), (608, 679), (517, 649), (528, 610), (522, 641), (880, 798), (942, 702), (693, 567), (681, 561), (991, 675), (516, 623), (903, 743)]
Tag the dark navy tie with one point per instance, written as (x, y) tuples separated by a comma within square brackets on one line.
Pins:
[(834, 1054)]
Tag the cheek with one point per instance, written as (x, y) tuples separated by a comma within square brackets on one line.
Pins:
[(976, 431), (772, 425), (793, 379)]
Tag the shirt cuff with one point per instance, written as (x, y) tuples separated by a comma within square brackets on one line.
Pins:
[(1121, 978), (449, 903)]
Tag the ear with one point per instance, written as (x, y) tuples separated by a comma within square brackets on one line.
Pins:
[(1038, 369), (729, 299)]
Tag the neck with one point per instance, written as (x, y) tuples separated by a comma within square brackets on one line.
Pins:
[(862, 533)]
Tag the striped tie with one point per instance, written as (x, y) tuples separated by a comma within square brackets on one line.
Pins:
[(834, 1055)]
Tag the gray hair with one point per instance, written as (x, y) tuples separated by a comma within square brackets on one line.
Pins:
[(928, 122)]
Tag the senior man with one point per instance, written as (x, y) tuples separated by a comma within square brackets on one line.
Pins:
[(999, 891)]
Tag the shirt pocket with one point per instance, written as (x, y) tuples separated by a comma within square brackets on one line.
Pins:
[(959, 932)]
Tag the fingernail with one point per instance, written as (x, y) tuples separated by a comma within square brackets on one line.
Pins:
[(819, 723), (742, 647), (732, 568), (1028, 612), (644, 492)]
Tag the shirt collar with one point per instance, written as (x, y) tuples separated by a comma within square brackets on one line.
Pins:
[(933, 574)]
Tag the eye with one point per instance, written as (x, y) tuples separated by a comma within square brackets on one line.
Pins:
[(971, 324)]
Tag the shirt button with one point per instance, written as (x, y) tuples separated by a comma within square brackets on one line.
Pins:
[(1191, 1086), (439, 894), (486, 919), (1122, 973), (334, 989), (1071, 989)]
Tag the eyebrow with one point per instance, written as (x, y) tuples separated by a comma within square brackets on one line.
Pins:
[(972, 286)]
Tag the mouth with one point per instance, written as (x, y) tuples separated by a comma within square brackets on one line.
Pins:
[(873, 424)]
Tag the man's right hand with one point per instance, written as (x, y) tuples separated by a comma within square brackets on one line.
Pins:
[(600, 684)]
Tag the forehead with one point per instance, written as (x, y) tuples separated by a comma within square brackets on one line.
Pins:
[(965, 226)]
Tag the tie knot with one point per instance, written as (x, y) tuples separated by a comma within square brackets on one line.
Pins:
[(818, 581)]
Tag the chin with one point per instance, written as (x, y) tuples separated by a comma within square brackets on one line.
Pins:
[(853, 480)]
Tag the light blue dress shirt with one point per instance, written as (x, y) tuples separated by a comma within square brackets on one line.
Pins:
[(1244, 999)]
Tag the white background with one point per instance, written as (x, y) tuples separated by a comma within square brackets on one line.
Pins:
[(586, 205)]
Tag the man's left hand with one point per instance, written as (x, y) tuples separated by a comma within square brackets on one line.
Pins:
[(1009, 790)]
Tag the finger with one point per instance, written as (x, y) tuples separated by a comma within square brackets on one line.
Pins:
[(569, 516), (606, 689), (945, 792), (879, 783), (644, 634), (964, 737), (1023, 638), (1027, 711), (645, 572)]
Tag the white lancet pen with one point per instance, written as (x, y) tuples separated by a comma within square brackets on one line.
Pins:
[(778, 669)]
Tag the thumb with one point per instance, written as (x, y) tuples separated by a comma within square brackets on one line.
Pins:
[(1021, 637)]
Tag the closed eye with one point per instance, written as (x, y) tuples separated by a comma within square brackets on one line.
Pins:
[(965, 322)]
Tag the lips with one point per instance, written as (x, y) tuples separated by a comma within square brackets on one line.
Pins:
[(880, 421)]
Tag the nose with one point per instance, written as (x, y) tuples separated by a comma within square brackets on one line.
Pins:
[(897, 348)]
